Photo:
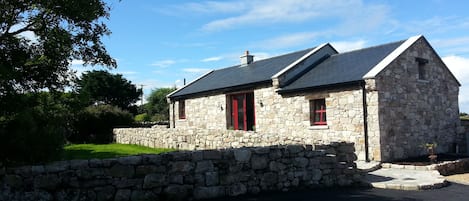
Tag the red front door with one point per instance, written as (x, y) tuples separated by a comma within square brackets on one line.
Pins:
[(238, 111), (242, 111)]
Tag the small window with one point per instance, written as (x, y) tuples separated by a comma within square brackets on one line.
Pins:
[(182, 109), (318, 112), (422, 69)]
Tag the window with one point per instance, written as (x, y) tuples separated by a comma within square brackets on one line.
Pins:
[(422, 70), (182, 109), (318, 112)]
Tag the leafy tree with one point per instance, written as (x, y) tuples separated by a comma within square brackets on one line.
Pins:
[(106, 88), (157, 105), (36, 132), (59, 31), (38, 40)]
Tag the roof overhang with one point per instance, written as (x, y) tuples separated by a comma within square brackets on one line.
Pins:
[(321, 87), (177, 90)]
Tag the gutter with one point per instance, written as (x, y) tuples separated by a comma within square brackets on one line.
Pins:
[(365, 121)]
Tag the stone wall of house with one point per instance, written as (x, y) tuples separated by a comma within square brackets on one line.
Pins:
[(288, 116), (184, 175), (413, 112), (204, 112), (373, 120)]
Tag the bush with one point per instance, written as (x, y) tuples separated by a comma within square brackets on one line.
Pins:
[(31, 136), (142, 117), (95, 123)]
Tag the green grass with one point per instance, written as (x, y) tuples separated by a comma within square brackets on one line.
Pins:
[(88, 151)]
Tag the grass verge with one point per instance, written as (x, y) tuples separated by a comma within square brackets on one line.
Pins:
[(89, 151)]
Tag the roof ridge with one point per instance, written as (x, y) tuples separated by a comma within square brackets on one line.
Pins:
[(309, 49)]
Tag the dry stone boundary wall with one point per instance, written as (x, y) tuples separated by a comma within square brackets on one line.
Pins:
[(185, 175), (200, 139)]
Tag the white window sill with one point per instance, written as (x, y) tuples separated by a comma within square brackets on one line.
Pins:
[(423, 81), (319, 127), (181, 120)]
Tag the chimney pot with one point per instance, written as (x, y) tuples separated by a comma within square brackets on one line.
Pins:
[(246, 58)]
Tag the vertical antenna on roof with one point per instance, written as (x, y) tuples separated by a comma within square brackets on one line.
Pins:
[(184, 81)]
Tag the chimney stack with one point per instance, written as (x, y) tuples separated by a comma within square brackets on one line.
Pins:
[(246, 58)]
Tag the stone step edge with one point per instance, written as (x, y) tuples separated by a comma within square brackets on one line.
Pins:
[(409, 167), (409, 187)]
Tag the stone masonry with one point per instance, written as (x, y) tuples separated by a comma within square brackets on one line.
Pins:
[(413, 112), (403, 112), (184, 175), (283, 117)]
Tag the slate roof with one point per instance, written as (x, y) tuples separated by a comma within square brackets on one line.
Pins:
[(342, 68), (256, 72)]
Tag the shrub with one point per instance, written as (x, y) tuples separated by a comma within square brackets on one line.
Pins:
[(31, 136), (95, 123), (142, 117)]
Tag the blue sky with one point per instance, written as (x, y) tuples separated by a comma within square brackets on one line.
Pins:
[(159, 43)]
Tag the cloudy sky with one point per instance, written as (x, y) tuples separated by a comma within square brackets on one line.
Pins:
[(159, 43)]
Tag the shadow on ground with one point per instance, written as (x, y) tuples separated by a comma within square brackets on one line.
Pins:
[(87, 154), (454, 192)]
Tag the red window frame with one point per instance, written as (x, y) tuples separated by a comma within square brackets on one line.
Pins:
[(182, 109), (318, 112)]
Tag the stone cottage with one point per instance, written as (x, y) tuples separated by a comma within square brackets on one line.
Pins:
[(388, 99)]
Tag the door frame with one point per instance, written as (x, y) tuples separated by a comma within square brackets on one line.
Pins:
[(233, 111)]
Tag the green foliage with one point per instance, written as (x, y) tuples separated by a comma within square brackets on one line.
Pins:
[(36, 133), (464, 116), (105, 88), (33, 123), (89, 151), (142, 117), (95, 123), (157, 105), (63, 30)]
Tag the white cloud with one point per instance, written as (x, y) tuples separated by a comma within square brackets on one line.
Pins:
[(459, 66), (195, 70), (344, 46), (213, 7), (289, 40), (259, 12), (163, 63), (212, 59), (451, 45), (437, 24)]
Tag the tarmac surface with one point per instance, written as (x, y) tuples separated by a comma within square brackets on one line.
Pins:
[(384, 184), (453, 192)]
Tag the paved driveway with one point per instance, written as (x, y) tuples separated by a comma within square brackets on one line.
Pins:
[(453, 192)]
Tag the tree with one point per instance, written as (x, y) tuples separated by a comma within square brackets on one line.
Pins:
[(38, 40), (157, 105), (102, 87)]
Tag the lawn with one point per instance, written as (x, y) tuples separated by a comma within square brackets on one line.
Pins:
[(88, 151)]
